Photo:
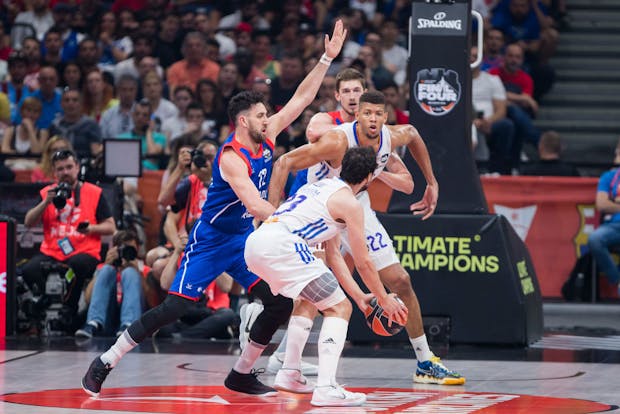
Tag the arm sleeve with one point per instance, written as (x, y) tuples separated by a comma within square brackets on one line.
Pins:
[(499, 92)]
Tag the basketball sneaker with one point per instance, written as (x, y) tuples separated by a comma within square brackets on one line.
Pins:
[(336, 396), (276, 360), (248, 383), (94, 377), (248, 314), (434, 372), (293, 380)]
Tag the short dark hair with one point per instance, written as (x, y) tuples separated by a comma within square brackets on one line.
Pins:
[(349, 74), (64, 155), (357, 163), (193, 105), (242, 102), (124, 236), (372, 97)]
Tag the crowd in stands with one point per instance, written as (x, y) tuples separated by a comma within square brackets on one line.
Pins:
[(163, 71)]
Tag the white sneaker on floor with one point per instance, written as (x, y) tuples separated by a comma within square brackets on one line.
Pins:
[(248, 313), (293, 380), (336, 396), (276, 360)]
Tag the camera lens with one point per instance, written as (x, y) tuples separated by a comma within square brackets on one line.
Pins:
[(198, 158)]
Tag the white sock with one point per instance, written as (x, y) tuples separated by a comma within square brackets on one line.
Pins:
[(298, 331), (249, 355), (123, 344), (331, 342), (420, 346), (282, 347)]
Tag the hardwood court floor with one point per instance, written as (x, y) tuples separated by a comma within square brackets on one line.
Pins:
[(563, 373)]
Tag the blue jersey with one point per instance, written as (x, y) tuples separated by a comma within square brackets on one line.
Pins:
[(223, 209)]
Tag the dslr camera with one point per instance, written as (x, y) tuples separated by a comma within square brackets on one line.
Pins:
[(126, 252), (63, 192), (198, 158)]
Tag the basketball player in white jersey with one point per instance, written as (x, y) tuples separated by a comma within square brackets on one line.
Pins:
[(279, 252), (325, 158)]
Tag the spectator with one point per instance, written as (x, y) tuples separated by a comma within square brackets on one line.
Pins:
[(168, 44), (247, 71), (377, 75), (178, 167), (5, 44), (283, 87), (522, 107), (117, 120), (394, 55), (88, 55), (114, 46), (32, 50), (40, 17), (226, 47), (608, 233), (325, 100), (92, 12), (176, 125), (214, 122), (493, 55), (490, 105), (153, 143), (83, 132), (72, 229), (119, 280), (247, 12), (98, 96), (49, 96), (262, 86), (396, 115), (228, 81), (15, 89), (25, 138), (63, 15), (194, 66), (142, 47), (263, 60), (152, 87), (52, 49), (550, 163), (43, 173), (72, 76)]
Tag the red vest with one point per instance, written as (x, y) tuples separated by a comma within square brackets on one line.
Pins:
[(58, 224)]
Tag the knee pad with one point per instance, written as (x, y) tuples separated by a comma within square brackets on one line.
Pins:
[(276, 311)]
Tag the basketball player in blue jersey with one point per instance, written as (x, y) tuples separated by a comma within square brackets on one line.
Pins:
[(237, 195), (326, 154), (279, 252)]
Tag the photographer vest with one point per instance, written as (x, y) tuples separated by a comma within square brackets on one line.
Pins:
[(62, 224), (196, 197)]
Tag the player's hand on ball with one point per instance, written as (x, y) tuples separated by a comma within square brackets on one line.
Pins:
[(394, 309), (364, 302)]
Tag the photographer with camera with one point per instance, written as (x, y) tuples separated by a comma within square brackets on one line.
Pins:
[(74, 215), (119, 280)]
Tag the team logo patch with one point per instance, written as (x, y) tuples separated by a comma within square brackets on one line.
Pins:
[(437, 91), (267, 154), (219, 400)]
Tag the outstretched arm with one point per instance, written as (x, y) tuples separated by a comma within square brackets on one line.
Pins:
[(307, 90), (331, 147), (235, 172), (409, 136), (396, 175)]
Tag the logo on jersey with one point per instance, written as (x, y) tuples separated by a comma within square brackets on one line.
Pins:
[(267, 154), (437, 90), (384, 158)]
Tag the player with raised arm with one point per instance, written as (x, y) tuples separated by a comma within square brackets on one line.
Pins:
[(326, 155), (237, 195)]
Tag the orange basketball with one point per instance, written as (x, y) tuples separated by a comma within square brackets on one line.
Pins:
[(378, 322)]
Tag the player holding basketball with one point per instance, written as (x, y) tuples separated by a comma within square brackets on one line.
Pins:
[(326, 155), (279, 252), (217, 240)]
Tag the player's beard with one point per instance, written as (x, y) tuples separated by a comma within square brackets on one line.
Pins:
[(257, 136)]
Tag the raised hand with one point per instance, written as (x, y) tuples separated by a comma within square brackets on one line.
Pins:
[(334, 45)]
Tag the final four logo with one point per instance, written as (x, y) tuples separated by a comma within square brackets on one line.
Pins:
[(437, 90)]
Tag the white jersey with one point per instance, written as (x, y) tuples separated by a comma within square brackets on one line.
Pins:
[(306, 214), (324, 170)]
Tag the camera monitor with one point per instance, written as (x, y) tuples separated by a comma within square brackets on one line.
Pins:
[(122, 157)]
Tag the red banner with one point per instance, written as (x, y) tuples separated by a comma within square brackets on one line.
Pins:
[(3, 271)]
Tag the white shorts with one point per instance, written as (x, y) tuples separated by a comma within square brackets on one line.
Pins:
[(380, 246), (285, 261)]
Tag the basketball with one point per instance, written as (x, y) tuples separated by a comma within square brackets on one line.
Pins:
[(378, 322)]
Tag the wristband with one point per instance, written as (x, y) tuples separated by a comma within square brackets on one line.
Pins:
[(326, 60)]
